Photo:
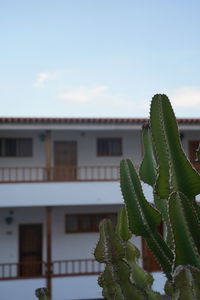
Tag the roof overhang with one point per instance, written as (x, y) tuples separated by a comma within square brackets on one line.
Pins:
[(86, 123)]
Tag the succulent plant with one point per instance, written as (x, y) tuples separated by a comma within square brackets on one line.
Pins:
[(42, 294), (122, 278), (175, 185)]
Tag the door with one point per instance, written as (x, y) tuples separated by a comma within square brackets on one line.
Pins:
[(193, 145), (30, 250), (65, 160)]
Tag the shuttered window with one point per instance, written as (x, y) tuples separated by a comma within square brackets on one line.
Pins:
[(87, 222), (16, 147), (109, 146)]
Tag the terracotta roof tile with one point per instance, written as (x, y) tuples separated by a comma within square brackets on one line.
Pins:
[(15, 120)]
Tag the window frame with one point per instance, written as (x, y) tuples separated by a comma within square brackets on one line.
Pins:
[(3, 147), (109, 139), (93, 227)]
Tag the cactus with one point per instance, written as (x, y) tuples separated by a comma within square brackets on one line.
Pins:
[(122, 278), (42, 294), (175, 184)]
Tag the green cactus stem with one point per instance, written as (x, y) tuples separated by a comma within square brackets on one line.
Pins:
[(42, 294), (186, 230), (175, 184), (122, 228), (122, 278), (187, 282), (143, 218), (115, 279), (170, 156), (148, 167)]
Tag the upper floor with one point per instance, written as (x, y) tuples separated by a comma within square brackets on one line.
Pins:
[(59, 150)]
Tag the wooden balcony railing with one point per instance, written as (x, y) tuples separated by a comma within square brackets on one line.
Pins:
[(76, 267), (22, 270), (58, 174), (59, 268)]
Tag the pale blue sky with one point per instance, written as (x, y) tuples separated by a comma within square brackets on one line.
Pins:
[(94, 58)]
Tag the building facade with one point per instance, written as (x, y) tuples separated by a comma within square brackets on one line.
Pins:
[(58, 179)]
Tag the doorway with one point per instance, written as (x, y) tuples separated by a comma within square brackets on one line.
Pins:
[(30, 250), (65, 160)]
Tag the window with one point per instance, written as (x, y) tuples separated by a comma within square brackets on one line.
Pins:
[(16, 147), (86, 223), (109, 146)]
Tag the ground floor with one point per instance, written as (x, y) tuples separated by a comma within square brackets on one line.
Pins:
[(53, 247), (63, 288)]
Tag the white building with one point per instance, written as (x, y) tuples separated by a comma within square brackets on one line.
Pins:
[(58, 178)]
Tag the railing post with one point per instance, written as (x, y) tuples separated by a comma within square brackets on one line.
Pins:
[(48, 238), (48, 153)]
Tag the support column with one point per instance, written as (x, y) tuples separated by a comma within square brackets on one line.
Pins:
[(49, 245), (48, 154)]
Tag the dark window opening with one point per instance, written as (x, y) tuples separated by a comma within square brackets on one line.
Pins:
[(87, 222), (16, 147), (109, 146)]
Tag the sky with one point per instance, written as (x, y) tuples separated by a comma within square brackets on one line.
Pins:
[(98, 58)]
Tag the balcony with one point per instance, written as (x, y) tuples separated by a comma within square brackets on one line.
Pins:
[(59, 268), (58, 174)]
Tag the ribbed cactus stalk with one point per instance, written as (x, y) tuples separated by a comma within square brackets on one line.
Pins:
[(122, 278), (175, 185)]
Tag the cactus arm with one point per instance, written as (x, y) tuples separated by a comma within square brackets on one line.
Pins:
[(122, 229), (110, 288), (115, 279), (171, 158), (162, 206), (148, 173), (129, 290), (161, 251), (141, 278), (142, 216), (180, 214), (109, 247), (187, 281), (116, 284), (191, 216), (148, 167)]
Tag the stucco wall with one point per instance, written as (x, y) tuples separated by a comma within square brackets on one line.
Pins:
[(64, 246), (38, 150), (65, 288), (86, 146), (9, 234), (78, 245)]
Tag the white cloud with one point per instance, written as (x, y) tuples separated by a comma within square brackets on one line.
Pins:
[(43, 77), (99, 100), (186, 97), (85, 94)]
